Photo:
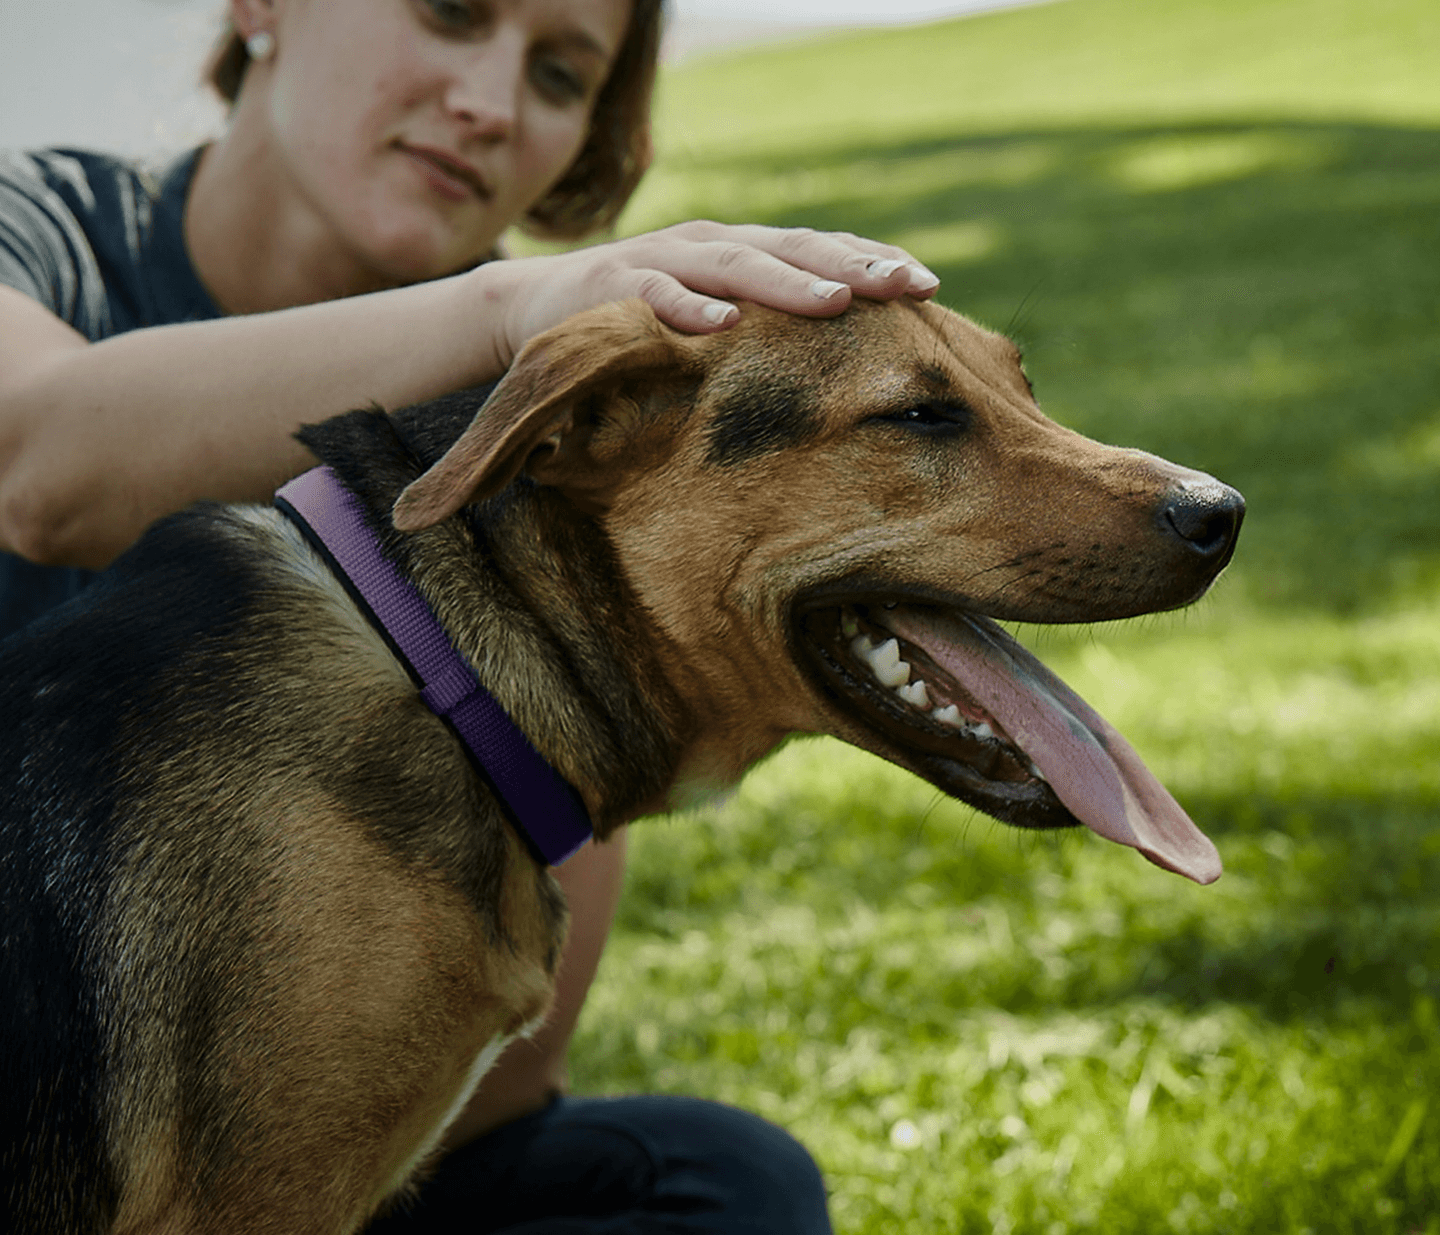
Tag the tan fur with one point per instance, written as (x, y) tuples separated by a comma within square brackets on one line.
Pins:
[(367, 999), (985, 528)]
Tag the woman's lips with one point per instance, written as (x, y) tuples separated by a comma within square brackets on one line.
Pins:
[(451, 178)]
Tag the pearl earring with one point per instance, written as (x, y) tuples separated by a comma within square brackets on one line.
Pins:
[(260, 45)]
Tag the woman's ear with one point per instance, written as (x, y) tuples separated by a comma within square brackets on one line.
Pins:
[(250, 16), (534, 406)]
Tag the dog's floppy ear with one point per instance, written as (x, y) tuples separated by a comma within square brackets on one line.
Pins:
[(535, 402)]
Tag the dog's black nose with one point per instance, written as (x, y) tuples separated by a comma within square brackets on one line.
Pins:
[(1206, 516)]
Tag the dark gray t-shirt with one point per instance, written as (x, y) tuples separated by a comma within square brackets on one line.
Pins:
[(98, 242)]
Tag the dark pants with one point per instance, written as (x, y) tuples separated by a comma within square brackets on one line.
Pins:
[(622, 1166)]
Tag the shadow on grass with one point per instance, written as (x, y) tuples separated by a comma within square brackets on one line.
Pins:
[(1332, 903), (1327, 904), (1261, 301), (1346, 909)]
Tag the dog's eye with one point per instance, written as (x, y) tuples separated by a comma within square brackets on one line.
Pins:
[(932, 418)]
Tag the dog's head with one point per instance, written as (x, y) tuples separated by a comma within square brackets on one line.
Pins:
[(823, 516)]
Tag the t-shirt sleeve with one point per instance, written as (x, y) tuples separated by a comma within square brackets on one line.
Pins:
[(43, 250)]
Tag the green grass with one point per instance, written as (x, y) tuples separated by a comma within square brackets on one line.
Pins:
[(1215, 228)]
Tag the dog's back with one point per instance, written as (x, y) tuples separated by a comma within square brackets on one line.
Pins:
[(50, 1069), (77, 683)]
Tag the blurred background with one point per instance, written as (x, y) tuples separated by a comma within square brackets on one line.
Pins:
[(1214, 226), (121, 75)]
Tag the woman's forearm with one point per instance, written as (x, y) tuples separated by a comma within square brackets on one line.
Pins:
[(99, 440)]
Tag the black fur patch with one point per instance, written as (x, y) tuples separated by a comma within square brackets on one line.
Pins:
[(936, 378), (77, 682), (430, 429), (762, 416)]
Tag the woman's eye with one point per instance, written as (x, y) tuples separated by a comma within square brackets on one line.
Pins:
[(451, 14), (557, 80)]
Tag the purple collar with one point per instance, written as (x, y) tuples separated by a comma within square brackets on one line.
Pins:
[(544, 806)]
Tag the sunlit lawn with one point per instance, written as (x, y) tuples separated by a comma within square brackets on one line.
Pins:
[(1215, 228)]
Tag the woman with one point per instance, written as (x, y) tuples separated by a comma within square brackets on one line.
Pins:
[(160, 342)]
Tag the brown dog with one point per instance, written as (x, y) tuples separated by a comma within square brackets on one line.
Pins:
[(265, 922)]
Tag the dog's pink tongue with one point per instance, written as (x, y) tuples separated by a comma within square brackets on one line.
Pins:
[(1092, 769)]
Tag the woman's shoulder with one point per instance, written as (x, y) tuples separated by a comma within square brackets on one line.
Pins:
[(97, 239), (46, 199), (80, 177)]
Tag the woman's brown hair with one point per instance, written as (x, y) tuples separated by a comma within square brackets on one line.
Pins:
[(595, 188)]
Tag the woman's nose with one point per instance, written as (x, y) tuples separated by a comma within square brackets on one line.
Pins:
[(485, 89)]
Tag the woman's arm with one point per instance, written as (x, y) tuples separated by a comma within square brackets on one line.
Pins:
[(533, 1069), (99, 440)]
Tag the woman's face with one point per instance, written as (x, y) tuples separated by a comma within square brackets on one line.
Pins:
[(419, 130)]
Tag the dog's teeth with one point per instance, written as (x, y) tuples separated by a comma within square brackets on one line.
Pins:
[(948, 715), (982, 730), (914, 694), (886, 655), (1036, 772), (886, 665), (884, 661), (895, 676)]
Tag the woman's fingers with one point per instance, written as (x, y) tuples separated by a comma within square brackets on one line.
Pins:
[(691, 273), (677, 305), (880, 271), (810, 273)]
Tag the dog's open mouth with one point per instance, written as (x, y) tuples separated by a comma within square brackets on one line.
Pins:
[(979, 717)]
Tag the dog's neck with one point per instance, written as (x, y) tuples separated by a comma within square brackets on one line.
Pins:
[(546, 808), (527, 589)]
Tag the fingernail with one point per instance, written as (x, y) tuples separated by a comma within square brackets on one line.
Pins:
[(717, 313), (826, 289), (883, 269), (922, 280)]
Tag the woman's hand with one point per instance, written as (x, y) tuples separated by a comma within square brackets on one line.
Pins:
[(689, 274)]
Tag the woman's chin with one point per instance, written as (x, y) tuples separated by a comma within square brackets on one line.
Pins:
[(419, 252)]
